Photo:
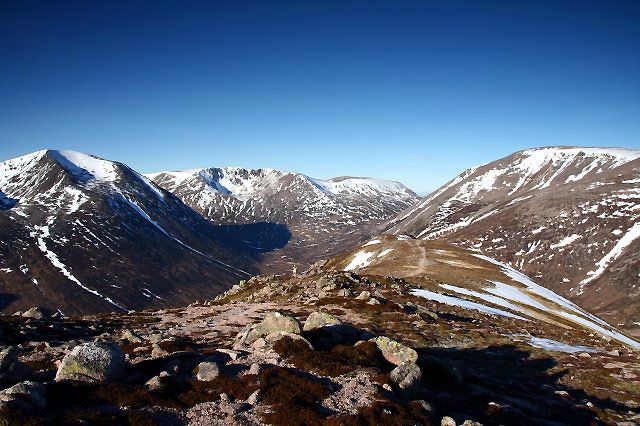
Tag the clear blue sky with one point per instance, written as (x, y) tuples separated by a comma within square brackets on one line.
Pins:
[(415, 91)]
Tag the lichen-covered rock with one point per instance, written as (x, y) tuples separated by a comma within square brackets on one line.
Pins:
[(395, 352), (37, 313), (208, 371), (92, 362), (320, 319), (406, 377), (24, 395), (276, 321), (273, 322)]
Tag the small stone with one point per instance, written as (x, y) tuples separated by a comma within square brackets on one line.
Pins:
[(584, 355), (131, 336), (447, 421), (254, 369), (425, 405), (259, 344), (387, 387), (92, 362), (373, 301), (320, 319), (207, 371), (364, 295), (140, 349), (156, 338), (157, 351), (613, 352), (254, 398), (395, 352), (155, 383)]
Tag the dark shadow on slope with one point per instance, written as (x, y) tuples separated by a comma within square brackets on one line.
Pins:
[(504, 385), (260, 237), (6, 203), (6, 299)]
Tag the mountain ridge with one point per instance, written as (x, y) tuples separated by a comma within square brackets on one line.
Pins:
[(323, 216), (73, 213), (558, 214)]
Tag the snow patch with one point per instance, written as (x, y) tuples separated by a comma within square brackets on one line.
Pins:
[(565, 241), (360, 260), (462, 303)]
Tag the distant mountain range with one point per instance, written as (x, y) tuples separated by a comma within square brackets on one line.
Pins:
[(82, 234), (292, 218), (567, 216)]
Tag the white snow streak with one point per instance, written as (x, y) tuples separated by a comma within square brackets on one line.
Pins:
[(631, 234)]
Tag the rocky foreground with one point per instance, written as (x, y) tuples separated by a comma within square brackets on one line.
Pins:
[(322, 348)]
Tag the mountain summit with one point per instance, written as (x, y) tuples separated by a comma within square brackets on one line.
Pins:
[(567, 216), (83, 234), (320, 217)]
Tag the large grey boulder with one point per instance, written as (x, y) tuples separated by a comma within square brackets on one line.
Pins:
[(273, 322), (276, 321), (24, 395), (320, 319), (92, 362), (406, 377), (395, 352)]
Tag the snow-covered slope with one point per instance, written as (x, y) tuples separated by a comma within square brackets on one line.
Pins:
[(469, 280), (321, 217), (568, 216), (83, 234)]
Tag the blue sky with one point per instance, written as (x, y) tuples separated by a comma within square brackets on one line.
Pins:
[(414, 91)]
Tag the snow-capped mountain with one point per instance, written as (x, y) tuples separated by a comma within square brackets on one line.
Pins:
[(468, 280), (319, 217), (83, 234), (568, 216)]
